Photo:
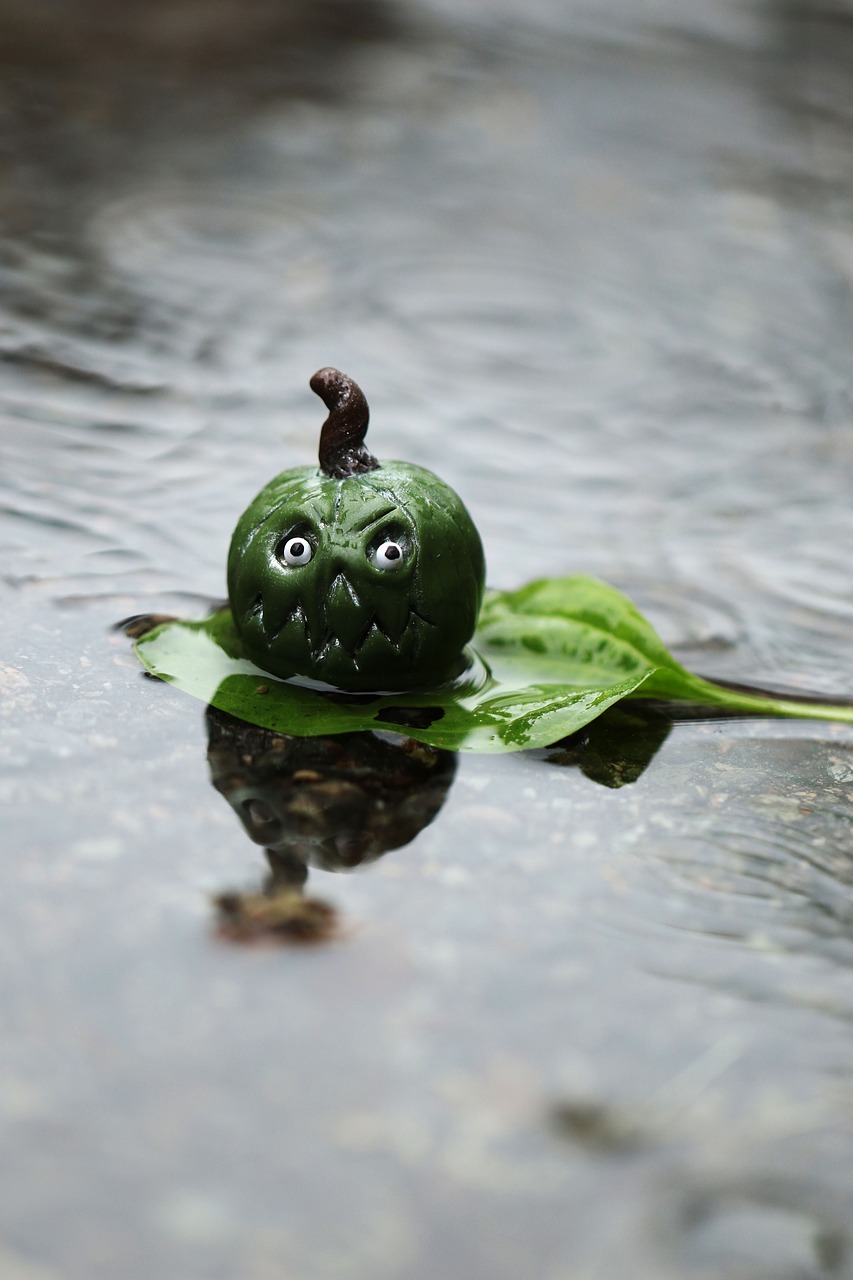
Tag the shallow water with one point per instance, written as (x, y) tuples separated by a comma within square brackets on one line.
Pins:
[(593, 264)]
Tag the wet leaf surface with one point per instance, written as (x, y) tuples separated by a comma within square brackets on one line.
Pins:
[(548, 659)]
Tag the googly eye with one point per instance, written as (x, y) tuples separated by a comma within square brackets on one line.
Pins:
[(296, 551), (389, 556)]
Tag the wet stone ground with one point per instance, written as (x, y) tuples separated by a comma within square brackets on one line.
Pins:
[(592, 262)]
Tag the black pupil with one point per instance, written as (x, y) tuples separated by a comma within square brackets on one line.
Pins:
[(297, 549), (392, 552)]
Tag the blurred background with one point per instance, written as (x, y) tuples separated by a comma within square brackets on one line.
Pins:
[(592, 263)]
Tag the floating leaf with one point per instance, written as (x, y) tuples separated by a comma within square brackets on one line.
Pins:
[(546, 660)]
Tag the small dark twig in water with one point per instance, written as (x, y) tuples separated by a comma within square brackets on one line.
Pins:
[(140, 624), (342, 449)]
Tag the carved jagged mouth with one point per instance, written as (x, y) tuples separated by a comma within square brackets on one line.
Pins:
[(320, 646)]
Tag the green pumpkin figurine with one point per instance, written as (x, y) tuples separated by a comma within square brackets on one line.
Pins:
[(365, 576)]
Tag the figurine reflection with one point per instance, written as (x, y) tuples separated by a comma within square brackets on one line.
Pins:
[(326, 802)]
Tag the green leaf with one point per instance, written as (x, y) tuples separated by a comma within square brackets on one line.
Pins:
[(547, 659)]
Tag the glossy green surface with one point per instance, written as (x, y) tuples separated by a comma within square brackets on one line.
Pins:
[(549, 659), (341, 618)]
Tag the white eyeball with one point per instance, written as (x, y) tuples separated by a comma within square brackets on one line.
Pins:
[(389, 556), (297, 551)]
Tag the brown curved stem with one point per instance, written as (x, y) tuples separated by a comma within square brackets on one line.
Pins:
[(342, 449)]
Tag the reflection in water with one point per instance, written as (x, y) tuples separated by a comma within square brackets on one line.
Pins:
[(329, 802), (338, 802), (618, 747), (332, 803)]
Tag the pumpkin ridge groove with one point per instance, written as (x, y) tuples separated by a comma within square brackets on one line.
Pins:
[(375, 625), (297, 612), (416, 613)]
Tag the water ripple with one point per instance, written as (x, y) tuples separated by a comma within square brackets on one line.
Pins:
[(759, 864)]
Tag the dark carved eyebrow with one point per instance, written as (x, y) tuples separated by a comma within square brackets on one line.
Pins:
[(309, 509), (372, 520)]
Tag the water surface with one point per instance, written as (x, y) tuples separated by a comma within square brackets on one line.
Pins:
[(593, 264)]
